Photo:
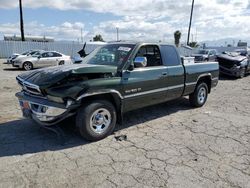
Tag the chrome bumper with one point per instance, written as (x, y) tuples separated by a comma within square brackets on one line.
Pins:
[(42, 111)]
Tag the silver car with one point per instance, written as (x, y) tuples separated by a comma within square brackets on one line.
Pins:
[(42, 59), (15, 56)]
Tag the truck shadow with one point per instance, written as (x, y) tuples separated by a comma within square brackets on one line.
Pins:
[(21, 137)]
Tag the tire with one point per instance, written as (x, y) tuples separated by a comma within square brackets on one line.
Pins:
[(61, 63), (27, 66), (88, 116), (199, 97)]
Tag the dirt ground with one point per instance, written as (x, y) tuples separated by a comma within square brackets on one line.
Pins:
[(168, 145)]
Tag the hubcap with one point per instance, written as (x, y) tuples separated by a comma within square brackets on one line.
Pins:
[(100, 120), (27, 66), (202, 95)]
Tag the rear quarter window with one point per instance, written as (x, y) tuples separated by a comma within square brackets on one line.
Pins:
[(169, 55)]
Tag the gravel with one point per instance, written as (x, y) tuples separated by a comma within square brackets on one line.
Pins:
[(167, 145)]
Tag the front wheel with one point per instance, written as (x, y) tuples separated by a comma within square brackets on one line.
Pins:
[(27, 66), (199, 97), (96, 120)]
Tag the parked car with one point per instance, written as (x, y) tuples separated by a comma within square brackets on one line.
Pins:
[(234, 64), (114, 79), (42, 59), (205, 55), (15, 56)]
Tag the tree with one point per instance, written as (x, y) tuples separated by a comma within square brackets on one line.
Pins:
[(193, 44), (98, 38), (177, 36), (21, 20)]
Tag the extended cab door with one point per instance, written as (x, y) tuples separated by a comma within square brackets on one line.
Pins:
[(175, 78), (145, 85)]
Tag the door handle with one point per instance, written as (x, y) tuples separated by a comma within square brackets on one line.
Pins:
[(163, 75)]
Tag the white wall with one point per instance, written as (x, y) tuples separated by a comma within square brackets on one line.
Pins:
[(68, 48)]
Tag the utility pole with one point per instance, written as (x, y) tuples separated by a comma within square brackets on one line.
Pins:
[(117, 33), (81, 36), (190, 22), (21, 20)]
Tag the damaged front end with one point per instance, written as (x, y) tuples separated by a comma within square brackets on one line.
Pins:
[(49, 97), (43, 111)]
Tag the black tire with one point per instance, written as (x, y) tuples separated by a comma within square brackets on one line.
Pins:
[(61, 63), (93, 112), (27, 66), (199, 97)]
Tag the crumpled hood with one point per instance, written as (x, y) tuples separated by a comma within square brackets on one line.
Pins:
[(231, 59), (52, 75)]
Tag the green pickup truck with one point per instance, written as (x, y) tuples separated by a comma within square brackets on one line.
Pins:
[(113, 79)]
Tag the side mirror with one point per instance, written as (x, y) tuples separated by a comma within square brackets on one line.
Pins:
[(39, 57), (140, 62)]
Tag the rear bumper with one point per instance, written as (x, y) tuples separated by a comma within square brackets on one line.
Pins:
[(44, 112), (234, 71)]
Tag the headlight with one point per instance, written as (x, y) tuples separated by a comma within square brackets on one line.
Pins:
[(55, 99)]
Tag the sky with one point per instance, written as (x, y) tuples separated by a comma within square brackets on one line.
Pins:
[(139, 20)]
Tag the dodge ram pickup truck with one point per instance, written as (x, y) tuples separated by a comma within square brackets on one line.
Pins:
[(113, 79)]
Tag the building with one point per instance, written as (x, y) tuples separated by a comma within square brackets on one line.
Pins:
[(9, 37)]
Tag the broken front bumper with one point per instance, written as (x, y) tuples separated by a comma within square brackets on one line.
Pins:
[(234, 71), (43, 111)]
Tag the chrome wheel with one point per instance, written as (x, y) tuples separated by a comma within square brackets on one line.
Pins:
[(100, 120), (202, 94), (27, 66)]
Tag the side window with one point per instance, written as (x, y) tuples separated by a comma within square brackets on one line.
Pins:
[(170, 56), (45, 54), (56, 54), (152, 53), (50, 54)]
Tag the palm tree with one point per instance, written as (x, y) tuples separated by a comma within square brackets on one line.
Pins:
[(177, 36), (21, 20)]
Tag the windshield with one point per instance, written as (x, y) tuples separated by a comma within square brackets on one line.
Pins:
[(111, 54), (36, 54), (203, 52), (25, 53)]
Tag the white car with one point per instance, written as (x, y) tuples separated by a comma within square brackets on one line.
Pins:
[(42, 59), (15, 56)]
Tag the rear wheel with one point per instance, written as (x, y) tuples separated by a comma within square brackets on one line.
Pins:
[(61, 63), (27, 66), (199, 97), (96, 120)]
